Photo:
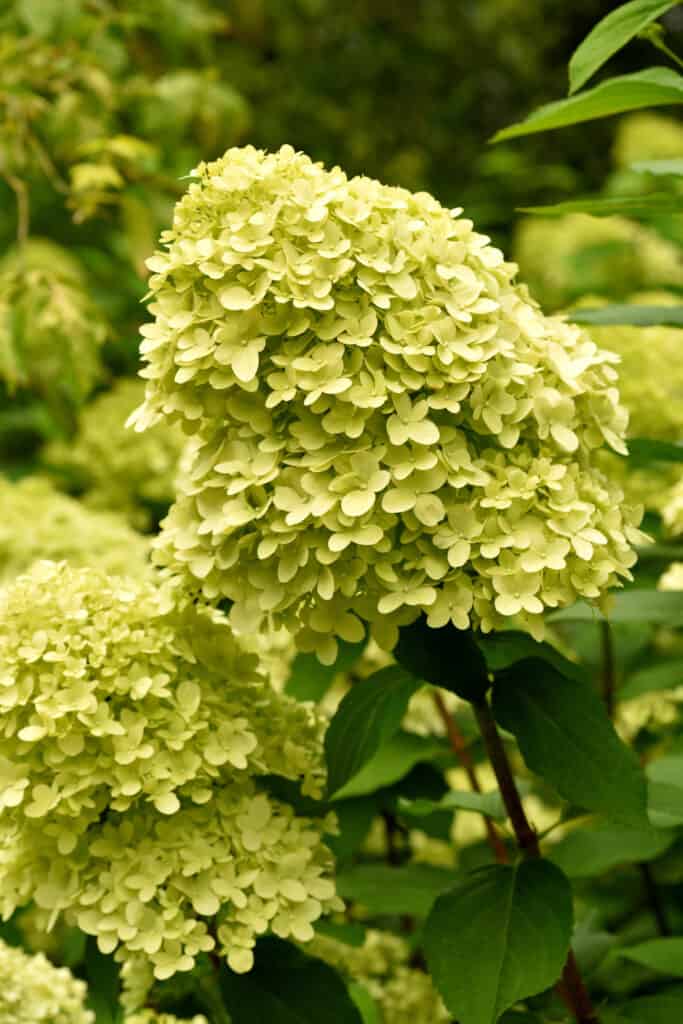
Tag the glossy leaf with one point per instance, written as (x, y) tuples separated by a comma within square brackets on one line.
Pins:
[(638, 316), (407, 889), (368, 716), (657, 86), (286, 986), (500, 935), (596, 846), (566, 737), (610, 34)]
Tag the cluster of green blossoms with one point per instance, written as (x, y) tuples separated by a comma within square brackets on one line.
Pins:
[(34, 991), (50, 331), (152, 1017), (402, 994), (672, 510), (118, 470), (647, 136), (135, 735), (384, 422), (564, 258), (39, 522)]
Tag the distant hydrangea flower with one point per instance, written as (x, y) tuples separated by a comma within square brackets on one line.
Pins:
[(119, 470), (672, 510), (672, 579), (50, 330), (39, 522), (563, 258), (34, 991), (153, 1017), (385, 423), (134, 735), (402, 994), (647, 136)]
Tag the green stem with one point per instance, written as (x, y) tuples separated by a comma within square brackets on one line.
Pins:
[(571, 987), (661, 45)]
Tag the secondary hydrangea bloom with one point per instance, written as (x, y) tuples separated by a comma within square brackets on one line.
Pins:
[(50, 330), (563, 258), (34, 991), (153, 1017), (134, 735), (39, 522), (672, 510), (647, 136), (402, 994), (385, 422), (119, 470), (673, 577)]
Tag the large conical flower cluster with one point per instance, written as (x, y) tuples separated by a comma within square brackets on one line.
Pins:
[(384, 422), (34, 991), (135, 735)]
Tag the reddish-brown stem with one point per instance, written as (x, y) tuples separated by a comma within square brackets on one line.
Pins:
[(460, 749), (570, 988)]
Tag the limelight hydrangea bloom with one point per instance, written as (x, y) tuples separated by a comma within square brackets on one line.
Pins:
[(34, 991), (118, 469), (385, 422), (402, 994), (672, 510), (563, 258), (39, 522), (134, 734), (647, 136), (50, 330)]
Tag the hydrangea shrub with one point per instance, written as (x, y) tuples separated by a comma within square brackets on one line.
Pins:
[(135, 733), (34, 991), (384, 422)]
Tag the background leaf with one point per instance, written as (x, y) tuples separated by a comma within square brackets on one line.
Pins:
[(565, 736), (500, 935), (408, 889), (663, 607), (369, 715), (639, 316), (652, 87), (652, 204), (610, 34), (392, 762), (664, 955), (597, 846), (490, 804), (309, 679)]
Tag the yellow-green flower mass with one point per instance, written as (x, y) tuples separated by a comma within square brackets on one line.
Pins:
[(50, 329), (39, 522), (153, 1017), (384, 422), (34, 991), (647, 135), (134, 735), (118, 469)]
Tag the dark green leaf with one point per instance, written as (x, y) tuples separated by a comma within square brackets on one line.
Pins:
[(663, 607), (505, 648), (394, 759), (286, 986), (102, 973), (659, 167), (624, 206), (664, 955), (408, 889), (352, 934), (639, 316), (309, 680), (665, 791), (652, 87), (597, 846), (566, 737), (354, 818), (489, 804), (446, 657), (663, 1008), (662, 676), (610, 34), (591, 944), (368, 716), (500, 935)]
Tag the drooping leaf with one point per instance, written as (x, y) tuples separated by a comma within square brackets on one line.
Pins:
[(446, 657), (661, 676), (310, 680), (652, 204), (489, 804), (394, 759), (407, 889), (596, 846), (368, 716), (652, 87), (610, 34), (664, 955), (286, 986), (500, 935), (566, 737), (662, 607), (626, 314)]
